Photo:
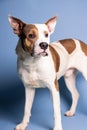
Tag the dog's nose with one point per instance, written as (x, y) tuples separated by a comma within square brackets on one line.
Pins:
[(43, 45)]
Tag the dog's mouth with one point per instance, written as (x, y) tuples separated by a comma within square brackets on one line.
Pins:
[(43, 53)]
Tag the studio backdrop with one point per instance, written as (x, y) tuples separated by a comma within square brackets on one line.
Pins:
[(72, 23)]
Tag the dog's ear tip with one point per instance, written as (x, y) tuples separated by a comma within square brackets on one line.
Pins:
[(56, 17), (9, 17)]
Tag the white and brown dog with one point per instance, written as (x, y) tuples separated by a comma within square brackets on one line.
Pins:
[(42, 64)]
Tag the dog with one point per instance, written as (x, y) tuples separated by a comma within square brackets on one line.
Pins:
[(42, 64)]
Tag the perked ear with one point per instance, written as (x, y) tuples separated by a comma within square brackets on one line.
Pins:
[(16, 24), (51, 23)]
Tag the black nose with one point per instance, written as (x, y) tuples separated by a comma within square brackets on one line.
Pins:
[(43, 45)]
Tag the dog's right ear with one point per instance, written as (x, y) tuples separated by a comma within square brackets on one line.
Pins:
[(16, 24), (51, 23)]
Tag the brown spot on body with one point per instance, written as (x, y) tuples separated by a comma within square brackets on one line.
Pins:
[(56, 85), (83, 47), (68, 44), (55, 57)]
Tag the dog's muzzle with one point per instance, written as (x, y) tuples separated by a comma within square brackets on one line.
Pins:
[(44, 46)]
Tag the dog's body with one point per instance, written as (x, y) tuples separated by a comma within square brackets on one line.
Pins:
[(41, 64)]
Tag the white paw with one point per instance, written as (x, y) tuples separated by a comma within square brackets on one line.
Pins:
[(69, 113), (21, 126)]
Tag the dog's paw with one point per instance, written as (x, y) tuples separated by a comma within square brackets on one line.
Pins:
[(21, 126), (69, 113)]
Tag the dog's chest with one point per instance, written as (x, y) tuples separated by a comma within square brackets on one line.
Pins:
[(35, 73)]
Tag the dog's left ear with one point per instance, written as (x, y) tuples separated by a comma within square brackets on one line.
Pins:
[(51, 23)]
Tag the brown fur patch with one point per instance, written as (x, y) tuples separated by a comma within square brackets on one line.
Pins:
[(30, 33), (69, 45), (55, 57), (56, 85), (83, 47)]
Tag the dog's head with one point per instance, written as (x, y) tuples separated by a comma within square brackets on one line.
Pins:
[(35, 38)]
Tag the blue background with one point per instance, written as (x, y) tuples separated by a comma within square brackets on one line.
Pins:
[(72, 23)]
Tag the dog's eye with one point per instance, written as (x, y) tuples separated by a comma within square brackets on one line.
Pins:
[(46, 35), (31, 36)]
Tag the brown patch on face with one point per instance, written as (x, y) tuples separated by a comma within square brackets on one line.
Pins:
[(30, 36), (69, 45), (56, 85), (28, 46), (55, 57), (83, 47)]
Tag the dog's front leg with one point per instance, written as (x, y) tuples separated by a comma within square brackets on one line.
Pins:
[(56, 106), (29, 96)]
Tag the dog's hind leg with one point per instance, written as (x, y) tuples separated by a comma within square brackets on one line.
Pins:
[(70, 83), (84, 73)]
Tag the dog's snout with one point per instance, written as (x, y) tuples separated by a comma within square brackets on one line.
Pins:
[(43, 45)]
